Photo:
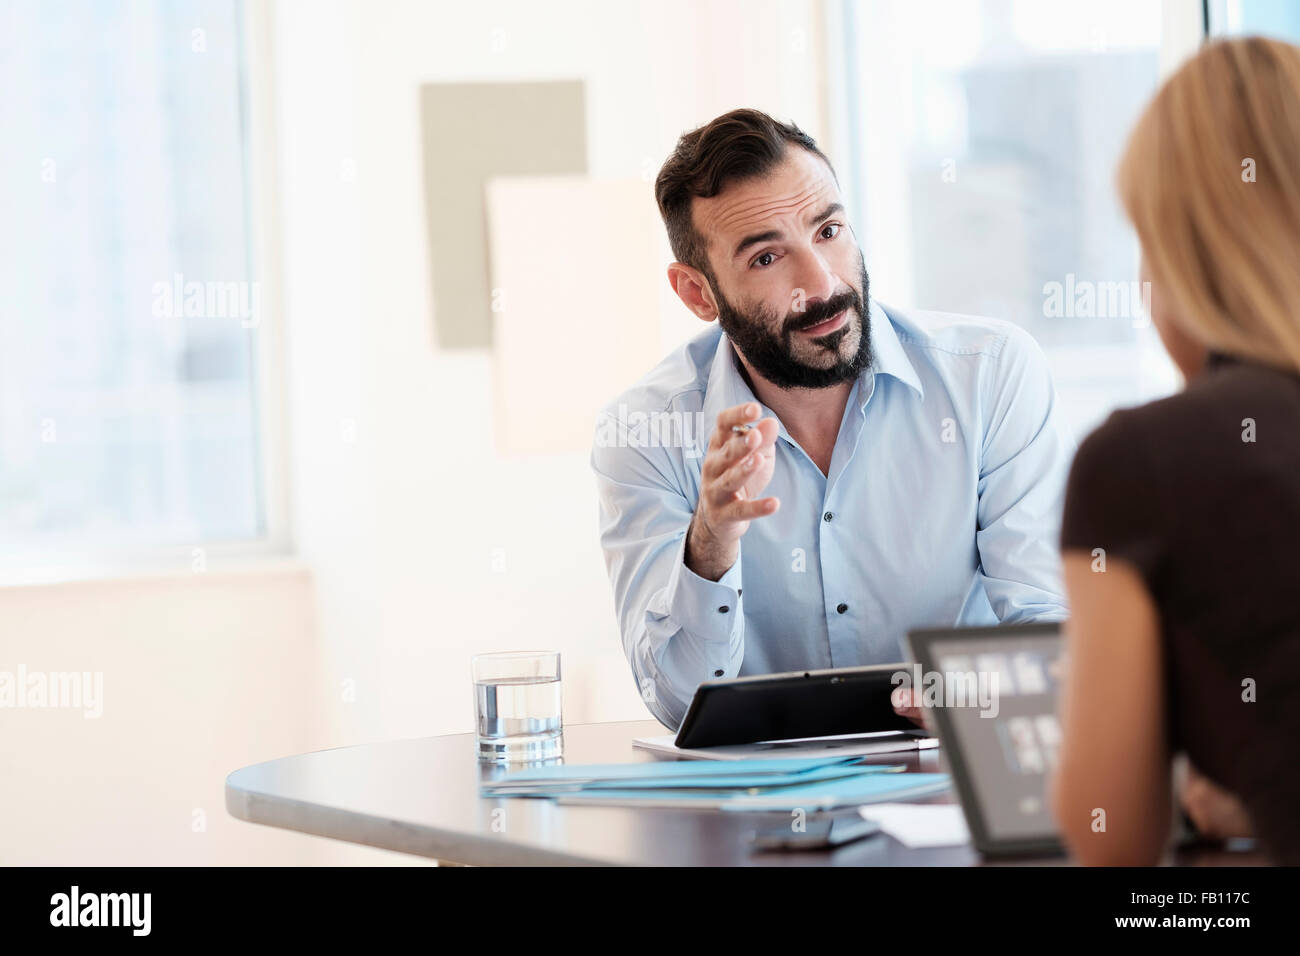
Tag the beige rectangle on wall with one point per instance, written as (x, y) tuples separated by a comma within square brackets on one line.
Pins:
[(472, 132), (576, 264)]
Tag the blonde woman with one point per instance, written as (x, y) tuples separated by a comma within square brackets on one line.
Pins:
[(1181, 533)]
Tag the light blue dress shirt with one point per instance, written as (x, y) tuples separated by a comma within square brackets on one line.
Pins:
[(941, 508)]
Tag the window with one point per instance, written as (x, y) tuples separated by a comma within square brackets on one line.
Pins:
[(130, 324), (982, 142), (1279, 19)]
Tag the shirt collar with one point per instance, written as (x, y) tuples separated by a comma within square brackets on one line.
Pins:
[(888, 357), (727, 388)]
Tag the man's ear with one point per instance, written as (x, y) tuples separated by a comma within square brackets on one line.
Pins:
[(693, 289)]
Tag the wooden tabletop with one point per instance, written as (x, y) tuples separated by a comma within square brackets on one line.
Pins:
[(421, 796)]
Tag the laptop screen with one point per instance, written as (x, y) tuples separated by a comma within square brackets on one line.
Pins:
[(998, 691)]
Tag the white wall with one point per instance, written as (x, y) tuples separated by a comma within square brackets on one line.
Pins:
[(201, 673), (398, 496)]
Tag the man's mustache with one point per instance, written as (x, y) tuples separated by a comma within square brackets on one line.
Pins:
[(819, 312)]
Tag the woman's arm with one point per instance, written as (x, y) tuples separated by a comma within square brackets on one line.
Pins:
[(1111, 790)]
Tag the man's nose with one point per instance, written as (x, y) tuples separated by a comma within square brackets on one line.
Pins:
[(816, 281)]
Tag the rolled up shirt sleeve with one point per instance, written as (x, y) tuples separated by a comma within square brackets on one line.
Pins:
[(1025, 460), (678, 629)]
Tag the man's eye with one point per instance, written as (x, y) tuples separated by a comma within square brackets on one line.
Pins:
[(759, 260), (833, 226)]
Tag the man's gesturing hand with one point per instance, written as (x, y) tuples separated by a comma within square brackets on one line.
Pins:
[(736, 469)]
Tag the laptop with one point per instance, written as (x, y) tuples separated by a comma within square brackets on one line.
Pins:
[(998, 690)]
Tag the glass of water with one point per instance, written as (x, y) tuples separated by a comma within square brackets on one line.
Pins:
[(517, 705)]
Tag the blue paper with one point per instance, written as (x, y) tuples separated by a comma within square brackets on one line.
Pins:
[(658, 769), (852, 791), (714, 778)]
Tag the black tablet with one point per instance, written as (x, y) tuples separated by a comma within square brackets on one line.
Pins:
[(820, 703)]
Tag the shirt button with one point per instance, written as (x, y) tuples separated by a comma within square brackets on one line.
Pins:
[(842, 608), (739, 591), (827, 516), (717, 673), (724, 609)]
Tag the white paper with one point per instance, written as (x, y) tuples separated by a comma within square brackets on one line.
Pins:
[(920, 824), (847, 745)]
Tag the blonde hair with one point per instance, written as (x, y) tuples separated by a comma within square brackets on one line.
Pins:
[(1223, 249)]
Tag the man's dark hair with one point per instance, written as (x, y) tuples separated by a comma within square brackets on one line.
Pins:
[(743, 144)]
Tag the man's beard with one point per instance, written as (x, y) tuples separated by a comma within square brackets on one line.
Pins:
[(771, 353)]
